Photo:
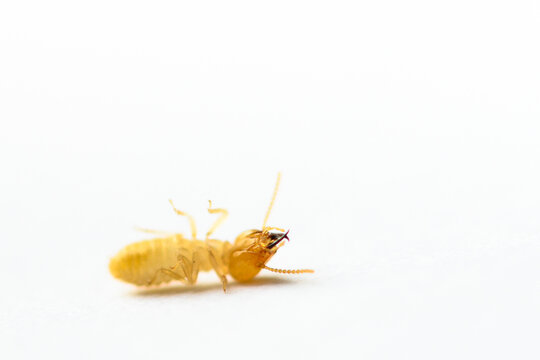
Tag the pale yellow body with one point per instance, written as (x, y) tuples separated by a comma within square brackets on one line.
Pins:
[(174, 257), (141, 263)]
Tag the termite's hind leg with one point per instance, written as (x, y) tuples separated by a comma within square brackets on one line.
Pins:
[(224, 213), (167, 272), (184, 266), (155, 232), (190, 218)]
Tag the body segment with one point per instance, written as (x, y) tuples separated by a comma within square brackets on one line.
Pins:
[(140, 263)]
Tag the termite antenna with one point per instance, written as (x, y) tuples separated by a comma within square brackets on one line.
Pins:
[(272, 201), (283, 271)]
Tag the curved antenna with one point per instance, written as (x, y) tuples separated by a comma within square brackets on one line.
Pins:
[(273, 199)]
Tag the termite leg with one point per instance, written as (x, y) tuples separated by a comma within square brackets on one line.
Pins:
[(183, 263), (224, 213), (168, 272), (194, 269), (155, 232), (190, 218), (218, 268), (189, 268)]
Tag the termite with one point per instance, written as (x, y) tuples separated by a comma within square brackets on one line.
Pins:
[(174, 257)]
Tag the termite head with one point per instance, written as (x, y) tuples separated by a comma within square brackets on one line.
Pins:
[(252, 250)]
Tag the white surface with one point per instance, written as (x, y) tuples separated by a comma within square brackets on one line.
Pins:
[(407, 133)]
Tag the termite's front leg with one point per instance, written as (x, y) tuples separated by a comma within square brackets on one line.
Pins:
[(216, 264)]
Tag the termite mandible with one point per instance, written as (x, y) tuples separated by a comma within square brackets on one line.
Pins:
[(174, 257)]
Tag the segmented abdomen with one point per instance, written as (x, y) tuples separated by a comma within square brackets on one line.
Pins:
[(139, 263)]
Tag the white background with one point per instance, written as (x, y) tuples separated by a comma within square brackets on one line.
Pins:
[(407, 134)]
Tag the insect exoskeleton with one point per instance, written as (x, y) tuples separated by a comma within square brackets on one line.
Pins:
[(174, 257)]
